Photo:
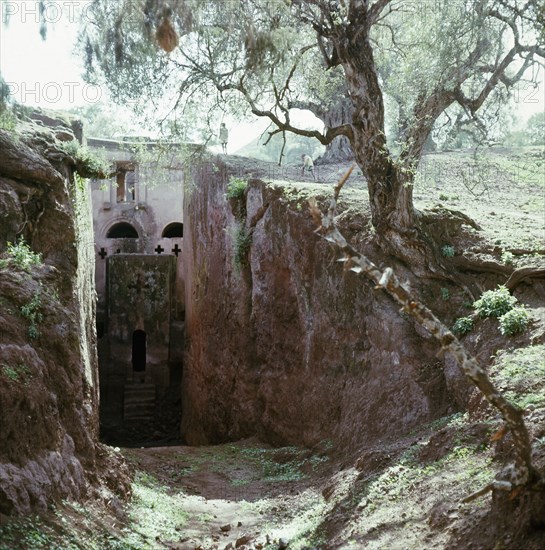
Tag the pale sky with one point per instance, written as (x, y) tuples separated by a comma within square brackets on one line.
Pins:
[(48, 73)]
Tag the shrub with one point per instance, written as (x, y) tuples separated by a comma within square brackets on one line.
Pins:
[(514, 321), (8, 121), (445, 294), (236, 188), (241, 245), (447, 251), (23, 256), (462, 325), (31, 311), (495, 303), (87, 161)]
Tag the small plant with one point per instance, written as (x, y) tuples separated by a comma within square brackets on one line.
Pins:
[(495, 303), (23, 256), (14, 373), (8, 121), (514, 321), (507, 257), (462, 325), (447, 251), (445, 294), (443, 197), (31, 312), (87, 161), (236, 188), (241, 244)]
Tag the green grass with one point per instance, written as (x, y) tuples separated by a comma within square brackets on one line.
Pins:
[(31, 533), (155, 511), (521, 373)]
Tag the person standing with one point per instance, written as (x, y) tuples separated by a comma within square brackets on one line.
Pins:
[(308, 164), (224, 136)]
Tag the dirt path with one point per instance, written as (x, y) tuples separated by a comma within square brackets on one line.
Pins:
[(244, 494)]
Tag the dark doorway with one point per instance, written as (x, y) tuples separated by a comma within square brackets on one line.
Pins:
[(122, 230), (138, 351)]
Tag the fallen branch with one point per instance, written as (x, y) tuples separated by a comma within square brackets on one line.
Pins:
[(522, 471)]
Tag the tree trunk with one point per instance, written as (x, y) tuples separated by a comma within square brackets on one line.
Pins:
[(390, 189), (339, 150), (339, 113), (390, 182)]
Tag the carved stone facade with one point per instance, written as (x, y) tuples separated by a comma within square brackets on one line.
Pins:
[(138, 229)]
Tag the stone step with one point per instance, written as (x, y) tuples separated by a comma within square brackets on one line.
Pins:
[(140, 394), (139, 401)]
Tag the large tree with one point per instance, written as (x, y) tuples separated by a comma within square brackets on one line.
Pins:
[(273, 55)]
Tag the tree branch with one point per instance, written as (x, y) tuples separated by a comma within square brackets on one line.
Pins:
[(375, 10), (523, 471)]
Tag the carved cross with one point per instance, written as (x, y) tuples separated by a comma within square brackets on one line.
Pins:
[(176, 249), (159, 249), (102, 253), (140, 283)]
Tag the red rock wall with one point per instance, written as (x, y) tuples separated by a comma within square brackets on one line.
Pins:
[(291, 348), (49, 448)]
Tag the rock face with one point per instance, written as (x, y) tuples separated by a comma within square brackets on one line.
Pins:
[(289, 347), (48, 365)]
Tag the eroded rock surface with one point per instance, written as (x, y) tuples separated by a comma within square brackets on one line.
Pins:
[(48, 368), (288, 347)]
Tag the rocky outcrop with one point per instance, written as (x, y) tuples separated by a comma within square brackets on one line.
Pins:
[(288, 346), (48, 365)]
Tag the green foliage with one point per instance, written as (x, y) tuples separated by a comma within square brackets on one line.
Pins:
[(156, 510), (31, 312), (521, 374), (495, 303), (445, 294), (27, 532), (514, 321), (448, 251), (23, 256), (88, 162), (14, 373), (236, 188), (535, 128), (242, 241), (462, 325), (507, 257), (8, 121)]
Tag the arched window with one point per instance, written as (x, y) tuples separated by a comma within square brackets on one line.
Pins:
[(173, 230), (122, 230)]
